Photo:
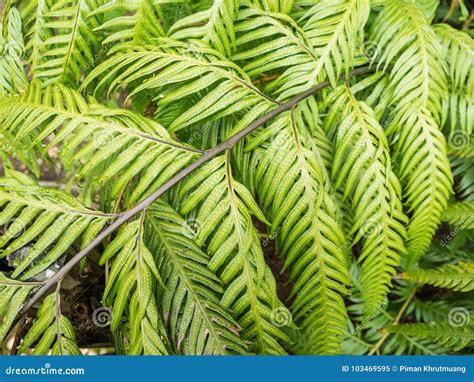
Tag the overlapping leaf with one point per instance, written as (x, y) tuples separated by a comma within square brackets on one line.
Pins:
[(222, 210), (197, 322), (44, 221)]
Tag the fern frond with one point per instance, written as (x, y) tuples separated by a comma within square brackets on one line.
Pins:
[(131, 291), (293, 185), (281, 43), (463, 169), (417, 77), (276, 6), (424, 170), (64, 44), (51, 331), (458, 51), (129, 22), (222, 208), (49, 220), (13, 295), (362, 169), (12, 74), (331, 27), (439, 332), (177, 70), (428, 7), (460, 215), (418, 84), (458, 277), (214, 26), (91, 135), (198, 324)]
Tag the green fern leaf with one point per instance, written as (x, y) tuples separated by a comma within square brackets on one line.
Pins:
[(129, 23), (458, 277), (443, 333), (12, 74), (51, 331), (222, 208), (157, 68), (460, 215), (331, 27), (48, 219), (417, 93), (91, 135), (62, 40), (13, 295), (362, 167), (293, 185), (131, 291), (458, 50)]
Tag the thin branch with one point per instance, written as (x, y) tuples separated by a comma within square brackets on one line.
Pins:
[(147, 202)]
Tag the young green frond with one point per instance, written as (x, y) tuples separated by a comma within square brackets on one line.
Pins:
[(424, 171), (198, 324), (50, 332), (45, 222), (175, 70), (129, 22), (292, 185), (214, 26), (223, 209), (458, 277), (362, 170), (418, 84), (131, 291), (445, 333), (458, 51)]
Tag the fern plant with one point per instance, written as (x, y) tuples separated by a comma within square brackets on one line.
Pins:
[(247, 176)]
